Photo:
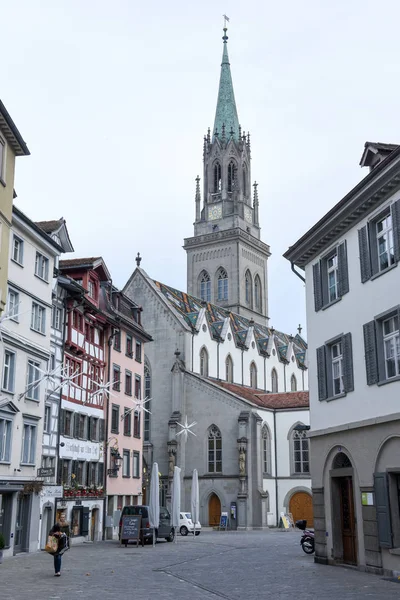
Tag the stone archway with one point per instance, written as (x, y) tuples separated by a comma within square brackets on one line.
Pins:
[(214, 510)]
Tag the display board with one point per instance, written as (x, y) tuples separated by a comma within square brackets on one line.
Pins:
[(130, 530), (287, 520), (223, 522)]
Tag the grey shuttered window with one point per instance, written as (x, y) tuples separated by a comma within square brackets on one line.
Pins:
[(101, 430), (76, 425), (327, 291), (365, 256), (371, 355), (383, 510), (317, 287), (348, 376), (100, 473), (396, 229), (322, 373)]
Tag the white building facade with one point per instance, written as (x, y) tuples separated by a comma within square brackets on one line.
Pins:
[(24, 355), (350, 258)]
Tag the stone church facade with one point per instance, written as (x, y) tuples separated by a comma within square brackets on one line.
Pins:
[(215, 361)]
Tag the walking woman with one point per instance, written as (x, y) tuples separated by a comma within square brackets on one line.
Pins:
[(61, 531)]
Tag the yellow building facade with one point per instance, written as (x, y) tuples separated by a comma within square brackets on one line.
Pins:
[(11, 146)]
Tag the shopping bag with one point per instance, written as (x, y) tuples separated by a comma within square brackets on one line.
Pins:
[(52, 544)]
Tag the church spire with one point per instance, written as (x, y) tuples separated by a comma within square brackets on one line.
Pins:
[(226, 113)]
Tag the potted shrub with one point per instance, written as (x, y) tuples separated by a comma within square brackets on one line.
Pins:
[(2, 546)]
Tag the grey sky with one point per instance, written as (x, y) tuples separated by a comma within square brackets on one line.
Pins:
[(113, 100)]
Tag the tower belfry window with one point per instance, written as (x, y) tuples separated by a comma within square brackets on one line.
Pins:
[(217, 178), (244, 180), (222, 278), (231, 176), (257, 292), (248, 289), (205, 286)]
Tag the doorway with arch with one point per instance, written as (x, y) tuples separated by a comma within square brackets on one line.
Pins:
[(214, 510)]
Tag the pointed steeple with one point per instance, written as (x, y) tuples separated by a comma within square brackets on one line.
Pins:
[(226, 113)]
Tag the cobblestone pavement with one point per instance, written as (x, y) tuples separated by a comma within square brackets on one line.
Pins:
[(230, 565)]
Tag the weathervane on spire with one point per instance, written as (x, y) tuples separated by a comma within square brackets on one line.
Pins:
[(225, 37), (226, 19)]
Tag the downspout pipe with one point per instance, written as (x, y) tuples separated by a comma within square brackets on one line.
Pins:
[(276, 471), (296, 272), (61, 391), (109, 343)]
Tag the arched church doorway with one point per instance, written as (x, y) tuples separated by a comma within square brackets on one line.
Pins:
[(214, 510), (300, 505)]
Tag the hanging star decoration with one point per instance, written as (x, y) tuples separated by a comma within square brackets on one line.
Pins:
[(68, 379), (186, 428), (139, 407), (101, 389), (49, 375), (11, 313)]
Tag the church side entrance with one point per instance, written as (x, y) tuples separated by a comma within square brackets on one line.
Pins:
[(301, 507), (214, 510)]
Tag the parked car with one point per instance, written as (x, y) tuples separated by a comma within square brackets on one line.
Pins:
[(165, 529), (186, 524)]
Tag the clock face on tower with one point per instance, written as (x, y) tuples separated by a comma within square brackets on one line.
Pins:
[(214, 212), (248, 215)]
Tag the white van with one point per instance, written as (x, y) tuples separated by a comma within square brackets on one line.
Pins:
[(186, 524)]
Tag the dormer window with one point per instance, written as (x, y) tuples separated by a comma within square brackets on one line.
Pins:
[(92, 289), (231, 176)]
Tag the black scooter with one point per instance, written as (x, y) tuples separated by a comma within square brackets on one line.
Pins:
[(307, 539)]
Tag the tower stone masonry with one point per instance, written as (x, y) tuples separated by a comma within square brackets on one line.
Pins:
[(226, 259)]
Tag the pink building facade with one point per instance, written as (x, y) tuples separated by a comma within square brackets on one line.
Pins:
[(124, 421)]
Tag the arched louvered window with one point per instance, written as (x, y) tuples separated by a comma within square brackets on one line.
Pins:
[(274, 381), (248, 289), (205, 286), (293, 383), (257, 292), (229, 369), (214, 450), (266, 449), (231, 176), (244, 180), (204, 362), (217, 178), (222, 282), (147, 394), (253, 375)]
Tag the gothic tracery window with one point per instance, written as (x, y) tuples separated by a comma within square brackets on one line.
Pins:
[(214, 450), (204, 362), (205, 286), (274, 381), (293, 383), (248, 289), (266, 449), (217, 178), (231, 176), (244, 180), (222, 282), (300, 451), (257, 292), (229, 369), (253, 375)]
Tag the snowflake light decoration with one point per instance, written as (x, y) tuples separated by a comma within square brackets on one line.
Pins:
[(186, 428), (139, 406), (49, 375), (68, 379), (11, 313), (101, 389)]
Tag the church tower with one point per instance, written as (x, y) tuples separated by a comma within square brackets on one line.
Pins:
[(226, 260)]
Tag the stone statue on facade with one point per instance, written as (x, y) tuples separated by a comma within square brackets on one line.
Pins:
[(242, 463)]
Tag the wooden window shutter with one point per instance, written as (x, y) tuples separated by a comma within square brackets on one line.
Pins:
[(371, 357), (101, 430), (76, 424), (343, 269), (383, 510), (62, 421), (317, 286), (90, 422), (365, 255), (322, 374), (348, 374), (395, 210)]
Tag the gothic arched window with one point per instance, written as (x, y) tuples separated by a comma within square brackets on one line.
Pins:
[(248, 288), (229, 369), (214, 450), (244, 180), (274, 381), (205, 286), (293, 383), (147, 394), (257, 292), (253, 375), (300, 452), (266, 449), (217, 177), (231, 176), (204, 362), (222, 282)]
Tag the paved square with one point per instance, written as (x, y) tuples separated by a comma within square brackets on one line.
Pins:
[(251, 565)]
